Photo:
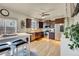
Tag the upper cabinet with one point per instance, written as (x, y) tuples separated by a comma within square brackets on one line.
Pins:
[(31, 23), (40, 24), (28, 23)]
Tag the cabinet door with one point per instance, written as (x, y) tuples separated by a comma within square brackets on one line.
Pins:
[(28, 23), (52, 35), (40, 24)]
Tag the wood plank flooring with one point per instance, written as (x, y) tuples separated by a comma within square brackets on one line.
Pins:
[(45, 47)]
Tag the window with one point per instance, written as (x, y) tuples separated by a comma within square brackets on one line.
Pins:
[(34, 24), (7, 26)]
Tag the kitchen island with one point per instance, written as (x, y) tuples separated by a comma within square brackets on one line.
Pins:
[(14, 43)]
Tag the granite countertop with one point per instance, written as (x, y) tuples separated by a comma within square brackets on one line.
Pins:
[(34, 30), (10, 37)]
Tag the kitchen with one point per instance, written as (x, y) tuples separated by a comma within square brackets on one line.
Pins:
[(35, 28)]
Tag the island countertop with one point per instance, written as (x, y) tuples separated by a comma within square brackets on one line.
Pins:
[(17, 36)]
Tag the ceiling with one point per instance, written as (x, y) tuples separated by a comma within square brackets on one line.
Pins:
[(56, 10)]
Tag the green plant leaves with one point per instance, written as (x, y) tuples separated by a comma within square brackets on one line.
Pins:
[(66, 34), (73, 33), (71, 46)]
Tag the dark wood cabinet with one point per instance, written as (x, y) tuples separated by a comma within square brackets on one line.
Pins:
[(37, 35), (28, 23), (52, 35), (40, 24)]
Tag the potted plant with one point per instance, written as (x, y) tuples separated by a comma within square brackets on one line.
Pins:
[(73, 35)]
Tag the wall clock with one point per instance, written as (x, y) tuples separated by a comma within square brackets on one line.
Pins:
[(4, 12)]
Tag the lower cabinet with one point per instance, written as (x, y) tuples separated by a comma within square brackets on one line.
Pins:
[(36, 35), (52, 35)]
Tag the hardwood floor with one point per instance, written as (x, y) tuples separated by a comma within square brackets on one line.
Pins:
[(45, 47)]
